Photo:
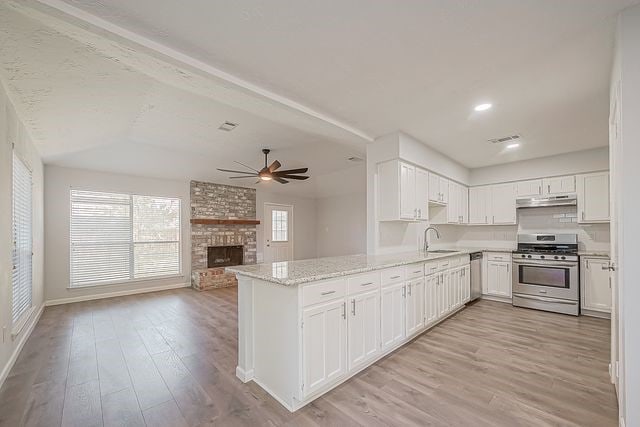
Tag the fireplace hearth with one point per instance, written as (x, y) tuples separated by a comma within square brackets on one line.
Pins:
[(224, 256)]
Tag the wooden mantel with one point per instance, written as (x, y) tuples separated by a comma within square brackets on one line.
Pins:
[(225, 221)]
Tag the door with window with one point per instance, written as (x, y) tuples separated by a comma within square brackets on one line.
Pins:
[(278, 230)]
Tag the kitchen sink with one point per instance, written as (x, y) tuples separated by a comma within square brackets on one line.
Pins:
[(442, 251)]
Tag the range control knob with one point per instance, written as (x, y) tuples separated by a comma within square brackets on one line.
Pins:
[(555, 257), (528, 256), (563, 257), (541, 256), (523, 255)]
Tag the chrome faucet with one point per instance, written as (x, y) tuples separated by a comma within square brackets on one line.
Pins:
[(426, 242)]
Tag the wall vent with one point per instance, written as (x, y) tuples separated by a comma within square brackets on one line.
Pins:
[(228, 126), (504, 139), (355, 159)]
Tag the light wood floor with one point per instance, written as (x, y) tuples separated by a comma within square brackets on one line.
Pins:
[(168, 359)]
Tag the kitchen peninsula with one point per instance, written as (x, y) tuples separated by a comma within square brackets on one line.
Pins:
[(306, 326)]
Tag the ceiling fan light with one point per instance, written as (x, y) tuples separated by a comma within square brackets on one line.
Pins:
[(266, 177)]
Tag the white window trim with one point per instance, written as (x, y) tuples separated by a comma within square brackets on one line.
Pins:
[(180, 273)]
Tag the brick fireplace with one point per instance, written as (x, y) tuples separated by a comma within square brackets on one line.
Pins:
[(223, 232)]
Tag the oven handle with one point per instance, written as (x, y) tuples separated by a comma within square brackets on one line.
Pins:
[(546, 263), (545, 299)]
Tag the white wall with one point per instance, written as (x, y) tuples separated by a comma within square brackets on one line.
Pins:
[(564, 164), (626, 205), (58, 182), (341, 229), (12, 131), (304, 222)]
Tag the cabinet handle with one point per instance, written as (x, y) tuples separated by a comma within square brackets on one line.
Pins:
[(409, 289), (394, 277), (508, 267), (327, 293), (486, 219), (344, 310), (366, 284), (549, 188), (353, 307), (404, 291), (539, 189), (587, 264), (583, 215)]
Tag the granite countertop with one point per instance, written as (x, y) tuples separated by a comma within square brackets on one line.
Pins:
[(603, 254), (291, 273)]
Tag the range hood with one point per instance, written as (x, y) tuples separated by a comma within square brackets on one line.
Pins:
[(544, 202)]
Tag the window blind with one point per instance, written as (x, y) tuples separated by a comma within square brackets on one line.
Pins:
[(119, 237), (21, 279)]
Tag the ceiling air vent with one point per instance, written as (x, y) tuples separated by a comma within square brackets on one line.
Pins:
[(504, 139), (355, 159), (228, 126)]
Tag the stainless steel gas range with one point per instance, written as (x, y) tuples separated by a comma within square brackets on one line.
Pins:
[(545, 273)]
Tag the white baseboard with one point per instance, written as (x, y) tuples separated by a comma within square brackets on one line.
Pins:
[(23, 339), (115, 294), (244, 376), (496, 298)]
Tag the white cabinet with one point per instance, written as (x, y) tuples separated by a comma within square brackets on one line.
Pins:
[(529, 188), (422, 194), (499, 278), (402, 192), (363, 323), (407, 191), (466, 284), (324, 344), (593, 197), (479, 205), (559, 185), (442, 294), (595, 289), (392, 315), (503, 204), (453, 207), (430, 299), (438, 189), (464, 205), (414, 297)]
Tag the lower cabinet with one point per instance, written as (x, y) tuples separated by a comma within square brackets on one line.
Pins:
[(324, 350), (392, 315), (499, 278), (595, 286), (414, 299), (431, 299), (363, 322)]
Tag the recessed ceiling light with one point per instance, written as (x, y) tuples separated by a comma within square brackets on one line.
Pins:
[(482, 107), (515, 145), (228, 126)]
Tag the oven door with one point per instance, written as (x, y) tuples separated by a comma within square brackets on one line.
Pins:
[(546, 278)]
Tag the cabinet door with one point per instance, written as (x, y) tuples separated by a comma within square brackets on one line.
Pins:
[(453, 207), (415, 306), (431, 299), (363, 323), (529, 188), (479, 199), (392, 315), (503, 204), (596, 289), (434, 188), (422, 194), (464, 205), (466, 285), (499, 278), (444, 190), (443, 294), (408, 208), (559, 185), (593, 197), (454, 286), (324, 341)]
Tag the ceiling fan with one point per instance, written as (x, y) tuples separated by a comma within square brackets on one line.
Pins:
[(268, 173)]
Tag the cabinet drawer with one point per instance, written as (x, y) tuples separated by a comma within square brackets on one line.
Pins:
[(464, 260), (498, 256), (414, 271), (363, 282), (392, 275), (445, 264), (430, 267), (323, 291)]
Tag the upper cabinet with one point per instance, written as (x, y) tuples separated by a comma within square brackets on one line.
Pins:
[(402, 192), (593, 197), (456, 211), (559, 185), (438, 189), (493, 204), (529, 188)]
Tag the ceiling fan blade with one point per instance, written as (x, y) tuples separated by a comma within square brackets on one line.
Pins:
[(246, 166), (300, 177), (280, 180), (246, 176), (232, 171), (290, 171), (275, 165)]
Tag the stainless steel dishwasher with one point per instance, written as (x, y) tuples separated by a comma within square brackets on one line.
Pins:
[(476, 275)]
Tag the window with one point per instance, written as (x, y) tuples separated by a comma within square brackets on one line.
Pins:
[(279, 226), (121, 237), (22, 244)]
